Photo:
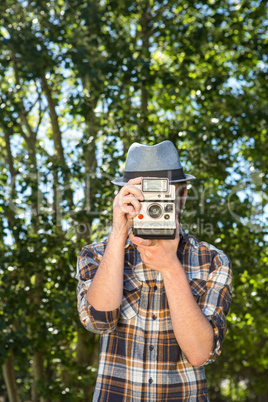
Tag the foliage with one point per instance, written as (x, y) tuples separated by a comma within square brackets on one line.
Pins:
[(81, 81)]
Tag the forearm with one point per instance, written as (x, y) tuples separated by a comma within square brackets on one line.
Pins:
[(192, 330), (106, 290)]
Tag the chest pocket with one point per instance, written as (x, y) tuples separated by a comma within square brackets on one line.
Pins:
[(131, 297)]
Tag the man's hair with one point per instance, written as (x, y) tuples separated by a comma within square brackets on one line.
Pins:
[(180, 190)]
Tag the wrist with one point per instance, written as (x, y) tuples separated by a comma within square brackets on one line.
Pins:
[(174, 269), (121, 227), (118, 235)]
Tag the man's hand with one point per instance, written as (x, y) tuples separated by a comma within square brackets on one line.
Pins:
[(158, 255), (126, 206), (106, 290)]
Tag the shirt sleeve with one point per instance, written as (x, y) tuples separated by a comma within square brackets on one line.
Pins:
[(215, 300), (93, 320)]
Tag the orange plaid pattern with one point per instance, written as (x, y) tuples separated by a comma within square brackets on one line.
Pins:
[(140, 359)]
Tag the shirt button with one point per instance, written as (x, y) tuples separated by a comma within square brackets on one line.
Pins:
[(151, 347), (154, 317), (155, 287), (150, 381)]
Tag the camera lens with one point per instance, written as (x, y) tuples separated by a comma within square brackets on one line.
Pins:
[(155, 211)]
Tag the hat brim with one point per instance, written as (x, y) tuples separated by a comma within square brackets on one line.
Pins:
[(119, 181)]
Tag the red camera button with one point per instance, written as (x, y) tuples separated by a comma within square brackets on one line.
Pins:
[(140, 216)]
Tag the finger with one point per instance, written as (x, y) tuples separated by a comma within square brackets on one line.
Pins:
[(143, 242), (131, 189), (131, 236), (134, 239), (142, 253), (137, 180), (130, 199), (140, 250), (129, 210)]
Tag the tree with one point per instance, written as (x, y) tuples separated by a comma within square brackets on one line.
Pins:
[(80, 82)]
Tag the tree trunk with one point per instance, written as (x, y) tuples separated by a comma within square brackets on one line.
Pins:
[(87, 349), (87, 353), (38, 374), (145, 71), (38, 360), (54, 121), (10, 380), (57, 139)]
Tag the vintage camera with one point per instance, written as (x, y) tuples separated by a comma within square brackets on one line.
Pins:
[(156, 219)]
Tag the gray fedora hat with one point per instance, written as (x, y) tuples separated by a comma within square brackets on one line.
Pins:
[(160, 160)]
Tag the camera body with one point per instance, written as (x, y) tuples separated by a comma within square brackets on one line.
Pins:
[(156, 219)]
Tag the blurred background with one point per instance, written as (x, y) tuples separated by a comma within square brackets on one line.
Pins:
[(80, 81)]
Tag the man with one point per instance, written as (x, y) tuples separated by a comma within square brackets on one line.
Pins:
[(159, 305)]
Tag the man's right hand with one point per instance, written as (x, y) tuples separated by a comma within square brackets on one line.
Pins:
[(106, 290), (126, 206)]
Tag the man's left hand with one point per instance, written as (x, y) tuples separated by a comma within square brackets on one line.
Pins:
[(158, 255)]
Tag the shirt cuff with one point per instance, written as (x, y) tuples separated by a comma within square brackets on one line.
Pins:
[(100, 321), (219, 335)]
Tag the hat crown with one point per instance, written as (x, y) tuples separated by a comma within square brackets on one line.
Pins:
[(160, 160), (163, 156)]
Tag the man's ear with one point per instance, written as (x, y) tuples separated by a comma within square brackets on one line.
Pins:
[(184, 198)]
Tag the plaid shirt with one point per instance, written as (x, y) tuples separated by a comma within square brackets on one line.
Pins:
[(140, 359)]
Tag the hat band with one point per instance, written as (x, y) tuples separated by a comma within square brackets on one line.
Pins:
[(176, 174)]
